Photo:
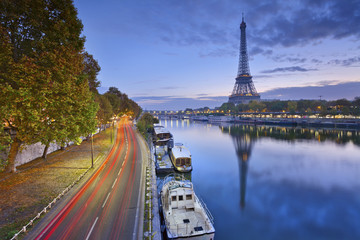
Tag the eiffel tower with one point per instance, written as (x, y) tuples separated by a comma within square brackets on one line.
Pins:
[(244, 89)]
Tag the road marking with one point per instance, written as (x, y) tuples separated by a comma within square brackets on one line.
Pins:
[(114, 183), (106, 200), (123, 164), (92, 228), (119, 171)]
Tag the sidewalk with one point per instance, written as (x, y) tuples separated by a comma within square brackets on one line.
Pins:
[(38, 182)]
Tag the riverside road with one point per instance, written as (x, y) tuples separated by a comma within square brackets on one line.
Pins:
[(107, 206)]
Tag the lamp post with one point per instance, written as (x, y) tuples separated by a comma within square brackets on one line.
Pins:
[(92, 151), (111, 132)]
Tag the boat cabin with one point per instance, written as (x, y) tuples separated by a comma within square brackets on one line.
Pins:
[(185, 215), (162, 136), (181, 158), (182, 198)]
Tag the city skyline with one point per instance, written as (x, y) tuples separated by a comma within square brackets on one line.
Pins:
[(172, 55)]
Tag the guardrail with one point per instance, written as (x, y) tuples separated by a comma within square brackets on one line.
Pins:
[(31, 222), (211, 218)]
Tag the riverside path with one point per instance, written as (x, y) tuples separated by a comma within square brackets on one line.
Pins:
[(108, 205)]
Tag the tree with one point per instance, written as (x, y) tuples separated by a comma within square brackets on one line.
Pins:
[(356, 102), (277, 106), (146, 123), (91, 70), (242, 107), (292, 107), (121, 104), (228, 107), (105, 111), (71, 108), (256, 106), (45, 95)]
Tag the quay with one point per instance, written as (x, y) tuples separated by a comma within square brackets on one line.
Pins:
[(162, 160)]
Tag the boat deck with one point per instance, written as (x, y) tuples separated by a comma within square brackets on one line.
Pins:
[(185, 222), (163, 162)]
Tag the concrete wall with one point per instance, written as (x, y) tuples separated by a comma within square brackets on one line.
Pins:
[(30, 152), (33, 151)]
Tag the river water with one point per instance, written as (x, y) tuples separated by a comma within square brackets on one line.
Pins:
[(262, 182)]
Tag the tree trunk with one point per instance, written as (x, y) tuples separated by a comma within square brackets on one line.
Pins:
[(14, 149), (45, 151)]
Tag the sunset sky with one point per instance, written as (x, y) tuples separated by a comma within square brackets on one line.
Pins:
[(172, 54)]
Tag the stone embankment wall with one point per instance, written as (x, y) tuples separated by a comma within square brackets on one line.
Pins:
[(33, 151)]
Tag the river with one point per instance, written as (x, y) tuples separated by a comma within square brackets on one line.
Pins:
[(262, 182)]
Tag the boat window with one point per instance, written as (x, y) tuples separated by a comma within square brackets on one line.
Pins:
[(188, 197), (188, 162), (197, 229), (182, 162), (177, 162), (181, 198), (173, 198)]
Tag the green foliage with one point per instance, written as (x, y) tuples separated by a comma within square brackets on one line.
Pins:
[(121, 104), (226, 107), (303, 107), (91, 70), (35, 26), (105, 111), (146, 123), (257, 106), (44, 84), (292, 105), (276, 106)]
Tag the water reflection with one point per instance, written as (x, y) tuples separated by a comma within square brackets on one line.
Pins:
[(294, 183), (245, 136), (243, 145), (291, 134)]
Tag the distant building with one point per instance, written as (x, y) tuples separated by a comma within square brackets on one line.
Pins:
[(244, 90)]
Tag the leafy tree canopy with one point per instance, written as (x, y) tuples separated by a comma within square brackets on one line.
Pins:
[(45, 93)]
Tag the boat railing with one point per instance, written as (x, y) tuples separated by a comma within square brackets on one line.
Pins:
[(184, 229), (175, 177), (208, 213)]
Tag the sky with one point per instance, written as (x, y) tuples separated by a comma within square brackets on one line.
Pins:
[(177, 54)]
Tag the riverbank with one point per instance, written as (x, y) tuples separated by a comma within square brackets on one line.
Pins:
[(37, 183), (303, 122)]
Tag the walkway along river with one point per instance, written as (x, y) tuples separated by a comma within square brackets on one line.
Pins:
[(275, 182)]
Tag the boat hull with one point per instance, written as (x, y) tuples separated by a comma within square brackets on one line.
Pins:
[(206, 236), (179, 169)]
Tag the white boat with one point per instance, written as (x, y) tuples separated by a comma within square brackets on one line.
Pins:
[(185, 215), (216, 119), (181, 158), (162, 136), (200, 118)]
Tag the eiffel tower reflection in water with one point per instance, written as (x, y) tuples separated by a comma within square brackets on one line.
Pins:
[(245, 136), (243, 144)]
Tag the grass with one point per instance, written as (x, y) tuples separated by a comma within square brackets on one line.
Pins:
[(38, 182), (147, 210)]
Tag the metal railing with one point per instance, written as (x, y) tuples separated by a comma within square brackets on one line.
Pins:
[(31, 222), (208, 213)]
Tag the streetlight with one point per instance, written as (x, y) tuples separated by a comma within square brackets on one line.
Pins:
[(92, 151)]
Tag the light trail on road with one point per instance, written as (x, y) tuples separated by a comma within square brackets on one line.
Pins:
[(105, 206)]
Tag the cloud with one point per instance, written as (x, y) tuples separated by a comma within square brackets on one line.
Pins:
[(257, 50), (345, 62), (316, 61), (328, 90), (263, 76), (285, 58), (216, 23), (287, 25), (219, 52), (179, 103), (288, 69), (270, 22)]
